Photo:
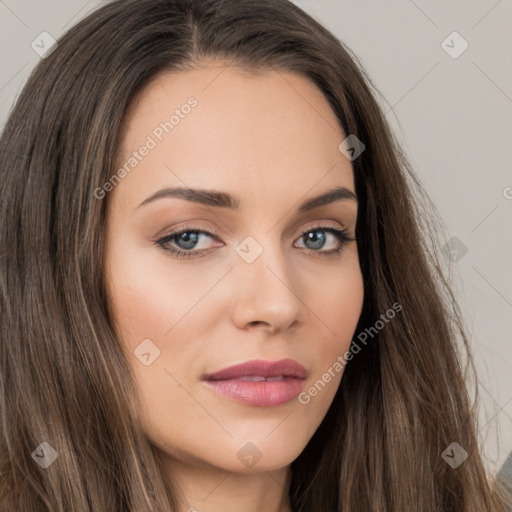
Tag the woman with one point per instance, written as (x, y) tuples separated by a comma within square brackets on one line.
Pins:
[(216, 288)]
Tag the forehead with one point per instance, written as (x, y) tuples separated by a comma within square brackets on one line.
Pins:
[(246, 130)]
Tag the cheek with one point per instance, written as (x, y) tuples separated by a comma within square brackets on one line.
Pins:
[(149, 297), (149, 306), (336, 306)]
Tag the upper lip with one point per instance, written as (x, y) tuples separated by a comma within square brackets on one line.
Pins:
[(260, 367)]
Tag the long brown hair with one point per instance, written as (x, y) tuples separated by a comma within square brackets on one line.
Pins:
[(403, 398)]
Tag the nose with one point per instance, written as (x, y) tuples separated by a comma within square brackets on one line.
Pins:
[(266, 291)]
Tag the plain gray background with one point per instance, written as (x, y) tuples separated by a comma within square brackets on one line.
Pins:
[(452, 114)]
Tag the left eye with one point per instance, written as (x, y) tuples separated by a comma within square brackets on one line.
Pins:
[(187, 240)]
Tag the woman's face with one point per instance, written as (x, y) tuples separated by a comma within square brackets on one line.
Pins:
[(250, 286)]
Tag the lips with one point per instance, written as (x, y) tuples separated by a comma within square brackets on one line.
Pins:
[(266, 370), (259, 383)]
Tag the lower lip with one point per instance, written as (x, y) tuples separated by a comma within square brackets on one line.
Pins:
[(259, 393)]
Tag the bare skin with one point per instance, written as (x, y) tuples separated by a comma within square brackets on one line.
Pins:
[(272, 141)]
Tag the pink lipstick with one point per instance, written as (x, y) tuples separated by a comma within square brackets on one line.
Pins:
[(259, 383)]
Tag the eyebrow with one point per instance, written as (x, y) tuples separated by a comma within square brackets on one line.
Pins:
[(225, 200)]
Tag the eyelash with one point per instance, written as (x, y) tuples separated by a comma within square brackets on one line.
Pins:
[(342, 235)]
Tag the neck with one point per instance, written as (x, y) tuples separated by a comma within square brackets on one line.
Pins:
[(203, 487)]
